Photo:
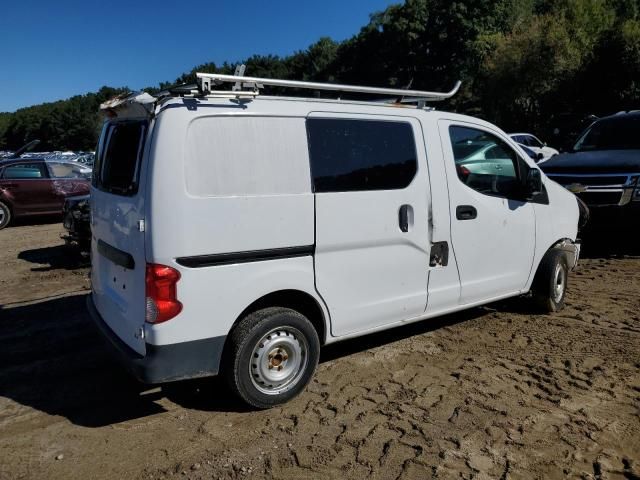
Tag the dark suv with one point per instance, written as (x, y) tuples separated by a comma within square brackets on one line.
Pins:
[(603, 169), (38, 187)]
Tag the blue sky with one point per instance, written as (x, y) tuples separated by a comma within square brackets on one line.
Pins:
[(50, 50)]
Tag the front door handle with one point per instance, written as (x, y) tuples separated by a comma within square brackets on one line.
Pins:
[(466, 212)]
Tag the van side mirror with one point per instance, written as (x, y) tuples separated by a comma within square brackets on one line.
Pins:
[(539, 156), (533, 183)]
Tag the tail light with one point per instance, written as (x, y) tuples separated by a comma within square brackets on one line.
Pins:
[(161, 293)]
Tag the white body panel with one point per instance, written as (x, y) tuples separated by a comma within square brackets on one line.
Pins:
[(222, 177)]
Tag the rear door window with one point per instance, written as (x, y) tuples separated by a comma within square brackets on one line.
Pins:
[(356, 155), (117, 168)]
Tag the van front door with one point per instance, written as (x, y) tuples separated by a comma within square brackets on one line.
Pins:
[(372, 233), (492, 231)]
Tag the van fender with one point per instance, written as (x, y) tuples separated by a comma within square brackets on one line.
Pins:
[(571, 251)]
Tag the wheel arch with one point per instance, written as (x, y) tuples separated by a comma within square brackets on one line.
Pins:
[(297, 300), (568, 246)]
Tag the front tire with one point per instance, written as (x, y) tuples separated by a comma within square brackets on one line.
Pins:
[(550, 283), (5, 215), (271, 356)]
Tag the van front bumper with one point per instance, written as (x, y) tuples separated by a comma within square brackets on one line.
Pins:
[(164, 363)]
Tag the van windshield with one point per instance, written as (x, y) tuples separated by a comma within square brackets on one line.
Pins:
[(118, 160)]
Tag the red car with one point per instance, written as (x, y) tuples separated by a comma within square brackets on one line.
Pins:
[(38, 187)]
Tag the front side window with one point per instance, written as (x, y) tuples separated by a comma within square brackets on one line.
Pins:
[(25, 171), (355, 155), (484, 162), (118, 164)]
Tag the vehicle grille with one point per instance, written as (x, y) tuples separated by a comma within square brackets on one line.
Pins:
[(600, 198), (600, 190)]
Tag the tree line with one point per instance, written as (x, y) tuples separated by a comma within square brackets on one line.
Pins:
[(532, 65)]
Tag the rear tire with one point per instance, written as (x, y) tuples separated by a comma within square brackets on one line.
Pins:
[(5, 215), (271, 356), (550, 283)]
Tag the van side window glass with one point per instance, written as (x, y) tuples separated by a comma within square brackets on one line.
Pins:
[(120, 159), (25, 171), (350, 155), (484, 162)]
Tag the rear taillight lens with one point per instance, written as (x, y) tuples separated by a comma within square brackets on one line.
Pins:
[(161, 293)]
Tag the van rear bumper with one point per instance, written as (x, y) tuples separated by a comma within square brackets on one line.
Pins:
[(164, 363)]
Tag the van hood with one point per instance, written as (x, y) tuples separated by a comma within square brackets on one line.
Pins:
[(598, 161)]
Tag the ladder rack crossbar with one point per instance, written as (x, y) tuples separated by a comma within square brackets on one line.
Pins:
[(206, 81)]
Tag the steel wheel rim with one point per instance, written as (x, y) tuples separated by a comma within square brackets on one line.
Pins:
[(559, 284), (279, 360), (2, 216)]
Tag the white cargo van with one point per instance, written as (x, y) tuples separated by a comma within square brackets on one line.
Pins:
[(235, 233)]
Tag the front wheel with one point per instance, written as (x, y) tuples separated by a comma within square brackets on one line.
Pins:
[(271, 356), (550, 283), (5, 215)]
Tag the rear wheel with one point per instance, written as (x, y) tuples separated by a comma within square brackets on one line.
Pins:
[(5, 215), (271, 356), (550, 284)]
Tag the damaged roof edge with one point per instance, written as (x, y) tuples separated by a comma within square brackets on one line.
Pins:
[(130, 104)]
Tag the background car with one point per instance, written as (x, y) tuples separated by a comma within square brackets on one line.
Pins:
[(37, 187), (603, 169), (532, 142)]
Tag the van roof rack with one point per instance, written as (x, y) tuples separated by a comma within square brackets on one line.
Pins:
[(250, 87)]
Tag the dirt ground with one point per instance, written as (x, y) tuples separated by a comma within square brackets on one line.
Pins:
[(489, 393)]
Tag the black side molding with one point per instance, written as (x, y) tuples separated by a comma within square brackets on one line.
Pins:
[(117, 256), (245, 257)]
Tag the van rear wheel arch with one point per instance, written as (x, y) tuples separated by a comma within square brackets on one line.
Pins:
[(297, 300)]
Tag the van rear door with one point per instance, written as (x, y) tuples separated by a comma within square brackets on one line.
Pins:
[(117, 224)]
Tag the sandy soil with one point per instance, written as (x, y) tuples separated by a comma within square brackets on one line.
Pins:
[(490, 393)]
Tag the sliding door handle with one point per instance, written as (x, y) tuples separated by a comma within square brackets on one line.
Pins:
[(405, 217)]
